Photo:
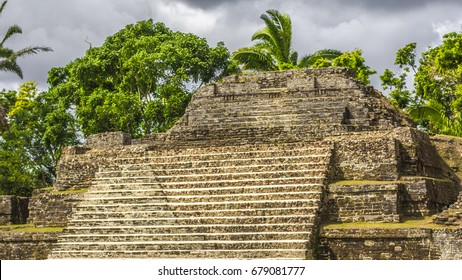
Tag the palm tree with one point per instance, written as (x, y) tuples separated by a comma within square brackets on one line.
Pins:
[(8, 56), (273, 49), (435, 119)]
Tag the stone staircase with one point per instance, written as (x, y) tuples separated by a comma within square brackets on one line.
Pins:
[(258, 201), (268, 117)]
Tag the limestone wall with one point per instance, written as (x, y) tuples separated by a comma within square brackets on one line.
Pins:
[(448, 243), (364, 202), (49, 209), (13, 210), (377, 244), (108, 139), (26, 245), (391, 244), (365, 156)]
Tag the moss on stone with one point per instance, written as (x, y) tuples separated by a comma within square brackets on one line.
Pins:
[(70, 191), (363, 182), (426, 222), (29, 228)]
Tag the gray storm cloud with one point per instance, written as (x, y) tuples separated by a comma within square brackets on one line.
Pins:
[(377, 27)]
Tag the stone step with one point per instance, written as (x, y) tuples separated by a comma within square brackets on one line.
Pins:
[(192, 221), (211, 183), (199, 228), (296, 116), (270, 103), (254, 128), (194, 213), (160, 157), (157, 170), (225, 236), (213, 176), (290, 254), (185, 245), (156, 190), (199, 206), (299, 106), (250, 149), (156, 163), (171, 199)]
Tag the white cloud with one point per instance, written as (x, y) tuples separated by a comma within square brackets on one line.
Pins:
[(445, 27), (178, 15)]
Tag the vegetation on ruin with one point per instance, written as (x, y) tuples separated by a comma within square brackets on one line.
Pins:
[(362, 182), (273, 51), (423, 223), (29, 228)]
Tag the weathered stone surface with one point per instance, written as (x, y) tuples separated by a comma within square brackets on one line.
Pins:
[(377, 244), (364, 202), (425, 196), (50, 209), (13, 210), (108, 139), (26, 245), (365, 156), (450, 149), (448, 243), (391, 244)]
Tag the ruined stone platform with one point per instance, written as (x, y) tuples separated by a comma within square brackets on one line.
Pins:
[(254, 169)]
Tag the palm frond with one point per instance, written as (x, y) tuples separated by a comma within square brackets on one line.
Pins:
[(310, 60), (12, 30), (31, 50), (427, 113), (278, 33), (254, 58), (6, 53), (10, 66), (3, 6), (294, 57)]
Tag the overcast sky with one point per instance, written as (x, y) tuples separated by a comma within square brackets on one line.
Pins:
[(378, 27)]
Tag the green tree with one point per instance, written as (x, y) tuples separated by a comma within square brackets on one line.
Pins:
[(273, 48), (435, 103), (39, 127), (399, 94), (140, 80), (8, 56)]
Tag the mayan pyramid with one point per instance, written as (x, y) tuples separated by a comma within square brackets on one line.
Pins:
[(255, 166)]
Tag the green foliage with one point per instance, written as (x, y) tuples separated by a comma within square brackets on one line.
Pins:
[(273, 48), (30, 146), (273, 51), (399, 94), (353, 60), (436, 101), (8, 56), (140, 80)]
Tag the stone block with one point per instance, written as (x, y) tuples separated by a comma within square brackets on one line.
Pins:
[(108, 140), (364, 202), (51, 209), (26, 245), (377, 244), (13, 210)]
